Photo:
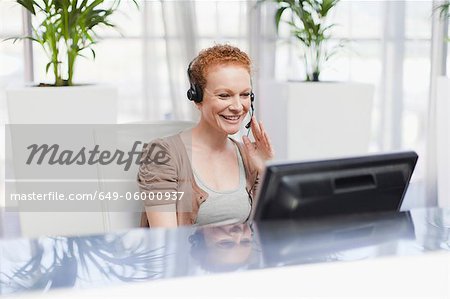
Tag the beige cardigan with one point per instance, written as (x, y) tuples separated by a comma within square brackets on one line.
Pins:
[(176, 175)]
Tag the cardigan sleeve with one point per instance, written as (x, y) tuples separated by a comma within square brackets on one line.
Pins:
[(157, 177)]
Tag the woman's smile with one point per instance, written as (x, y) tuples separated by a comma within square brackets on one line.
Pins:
[(232, 119)]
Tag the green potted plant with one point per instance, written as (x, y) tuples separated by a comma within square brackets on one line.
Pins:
[(65, 30), (309, 24), (320, 119)]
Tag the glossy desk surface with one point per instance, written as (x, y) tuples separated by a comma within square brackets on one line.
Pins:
[(143, 255)]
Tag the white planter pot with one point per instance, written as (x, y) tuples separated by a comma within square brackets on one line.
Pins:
[(443, 140), (88, 104), (317, 120)]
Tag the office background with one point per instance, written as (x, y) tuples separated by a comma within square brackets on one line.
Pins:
[(390, 45)]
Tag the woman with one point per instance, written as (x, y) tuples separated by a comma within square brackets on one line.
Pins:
[(212, 178)]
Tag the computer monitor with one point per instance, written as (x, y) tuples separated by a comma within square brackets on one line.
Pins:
[(314, 189)]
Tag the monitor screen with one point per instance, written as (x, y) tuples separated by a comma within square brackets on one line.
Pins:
[(300, 190)]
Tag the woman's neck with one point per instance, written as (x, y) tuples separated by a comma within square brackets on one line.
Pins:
[(210, 139)]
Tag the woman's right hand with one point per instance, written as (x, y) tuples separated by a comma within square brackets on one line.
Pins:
[(261, 150)]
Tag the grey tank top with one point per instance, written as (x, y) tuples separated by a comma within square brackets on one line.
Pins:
[(225, 207)]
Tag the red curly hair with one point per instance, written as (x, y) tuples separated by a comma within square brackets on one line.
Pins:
[(220, 54)]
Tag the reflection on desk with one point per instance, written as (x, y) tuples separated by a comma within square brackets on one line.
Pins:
[(293, 243), (142, 254)]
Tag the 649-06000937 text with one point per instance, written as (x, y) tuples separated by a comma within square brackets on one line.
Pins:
[(97, 195)]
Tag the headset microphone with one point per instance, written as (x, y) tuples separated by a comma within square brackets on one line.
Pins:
[(252, 98)]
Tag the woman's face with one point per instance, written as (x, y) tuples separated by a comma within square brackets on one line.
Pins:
[(228, 244), (226, 98)]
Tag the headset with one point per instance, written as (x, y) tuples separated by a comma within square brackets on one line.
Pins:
[(195, 93)]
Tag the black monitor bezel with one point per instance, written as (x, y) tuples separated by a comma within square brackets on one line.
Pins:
[(275, 171)]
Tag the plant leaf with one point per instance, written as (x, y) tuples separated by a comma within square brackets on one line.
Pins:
[(28, 4), (48, 66), (278, 15)]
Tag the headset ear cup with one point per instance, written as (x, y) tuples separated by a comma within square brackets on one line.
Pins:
[(189, 94), (194, 94), (193, 91)]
